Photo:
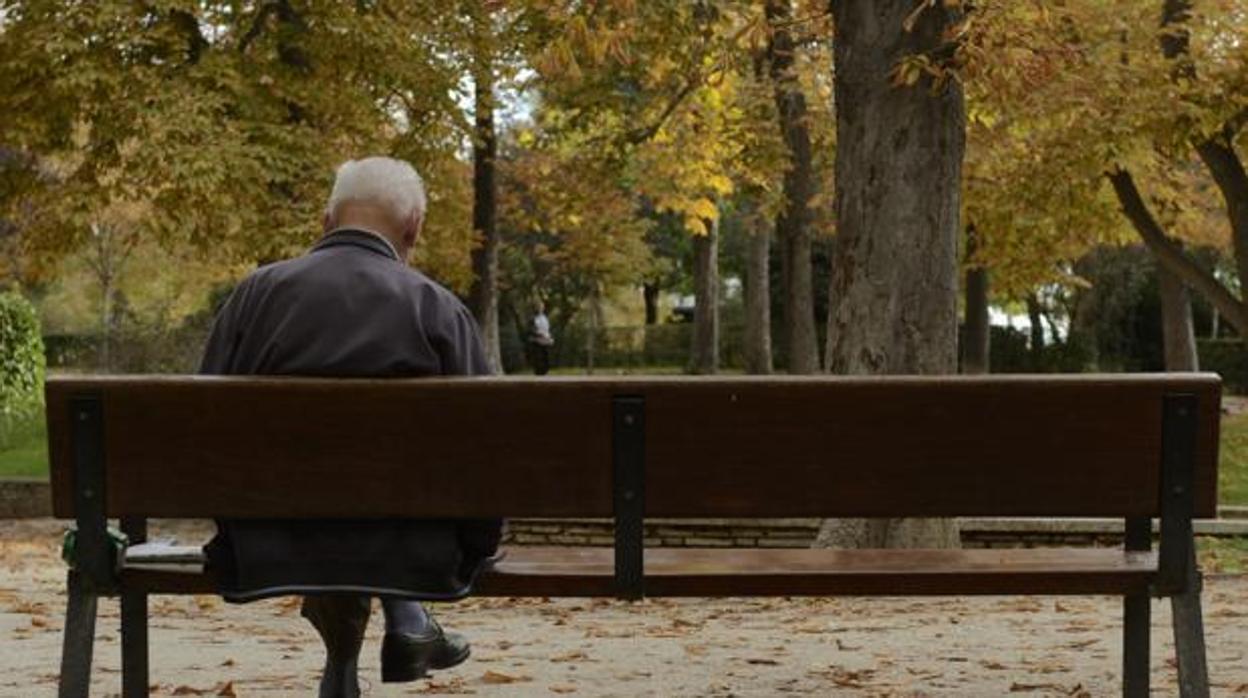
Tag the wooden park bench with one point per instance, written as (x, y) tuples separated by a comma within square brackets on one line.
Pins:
[(1137, 447)]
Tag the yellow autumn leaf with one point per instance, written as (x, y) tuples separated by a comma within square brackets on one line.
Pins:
[(721, 184), (704, 208)]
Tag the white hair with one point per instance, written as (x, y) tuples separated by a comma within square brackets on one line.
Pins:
[(386, 181)]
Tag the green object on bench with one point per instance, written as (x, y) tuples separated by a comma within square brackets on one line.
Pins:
[(69, 544), (1137, 447)]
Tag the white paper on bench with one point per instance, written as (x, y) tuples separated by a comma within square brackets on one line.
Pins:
[(164, 551)]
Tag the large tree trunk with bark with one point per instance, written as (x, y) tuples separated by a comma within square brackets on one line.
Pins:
[(483, 298), (758, 301), (706, 300), (893, 306), (975, 328), (793, 225), (1178, 332)]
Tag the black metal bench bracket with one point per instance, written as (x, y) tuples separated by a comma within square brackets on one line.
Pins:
[(94, 553), (1178, 456), (628, 448)]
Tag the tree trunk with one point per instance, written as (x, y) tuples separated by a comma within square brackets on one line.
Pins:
[(794, 221), (1178, 332), (1213, 323), (483, 297), (976, 327), (106, 325), (706, 300), (893, 306), (758, 302), (650, 294), (591, 337), (1034, 317)]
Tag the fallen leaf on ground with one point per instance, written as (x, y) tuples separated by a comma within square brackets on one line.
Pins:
[(1028, 687), (997, 666), (497, 677)]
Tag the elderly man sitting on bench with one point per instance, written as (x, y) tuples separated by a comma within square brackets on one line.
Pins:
[(352, 307)]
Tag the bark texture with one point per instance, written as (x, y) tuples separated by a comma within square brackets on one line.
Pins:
[(758, 302), (893, 306), (976, 338), (1178, 332), (793, 225), (706, 301), (483, 298)]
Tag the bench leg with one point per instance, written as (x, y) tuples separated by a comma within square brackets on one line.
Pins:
[(134, 672), (1135, 645), (79, 640), (1189, 639)]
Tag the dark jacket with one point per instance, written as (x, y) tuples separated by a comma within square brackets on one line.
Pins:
[(348, 308)]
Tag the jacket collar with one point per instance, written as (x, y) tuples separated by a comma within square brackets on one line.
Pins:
[(358, 237)]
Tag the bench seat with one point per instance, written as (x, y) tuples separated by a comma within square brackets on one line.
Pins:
[(560, 571)]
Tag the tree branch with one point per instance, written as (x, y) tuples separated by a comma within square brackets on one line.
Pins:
[(257, 25), (1224, 164), (694, 81), (1170, 254)]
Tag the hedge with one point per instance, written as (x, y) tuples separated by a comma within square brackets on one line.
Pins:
[(21, 363)]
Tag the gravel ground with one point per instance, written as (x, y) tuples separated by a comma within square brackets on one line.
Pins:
[(1029, 646)]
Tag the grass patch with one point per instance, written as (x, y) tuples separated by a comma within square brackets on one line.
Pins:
[(1228, 555), (24, 449), (1233, 460)]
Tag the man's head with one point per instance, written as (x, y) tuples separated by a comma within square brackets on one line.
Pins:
[(379, 194)]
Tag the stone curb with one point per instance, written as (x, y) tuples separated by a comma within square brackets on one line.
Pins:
[(25, 498)]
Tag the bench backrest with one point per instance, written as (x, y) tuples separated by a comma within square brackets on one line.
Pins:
[(181, 446)]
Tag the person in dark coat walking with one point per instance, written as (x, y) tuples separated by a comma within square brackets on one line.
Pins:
[(352, 307)]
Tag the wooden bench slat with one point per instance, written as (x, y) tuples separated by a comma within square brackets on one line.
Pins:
[(187, 447), (542, 571)]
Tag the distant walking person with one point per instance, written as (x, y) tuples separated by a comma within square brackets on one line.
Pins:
[(540, 341)]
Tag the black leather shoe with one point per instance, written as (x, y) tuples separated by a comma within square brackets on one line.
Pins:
[(407, 657)]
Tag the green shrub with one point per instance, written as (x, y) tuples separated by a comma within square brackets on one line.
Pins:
[(21, 364), (1228, 358)]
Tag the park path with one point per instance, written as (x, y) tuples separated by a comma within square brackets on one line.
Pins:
[(1033, 646)]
